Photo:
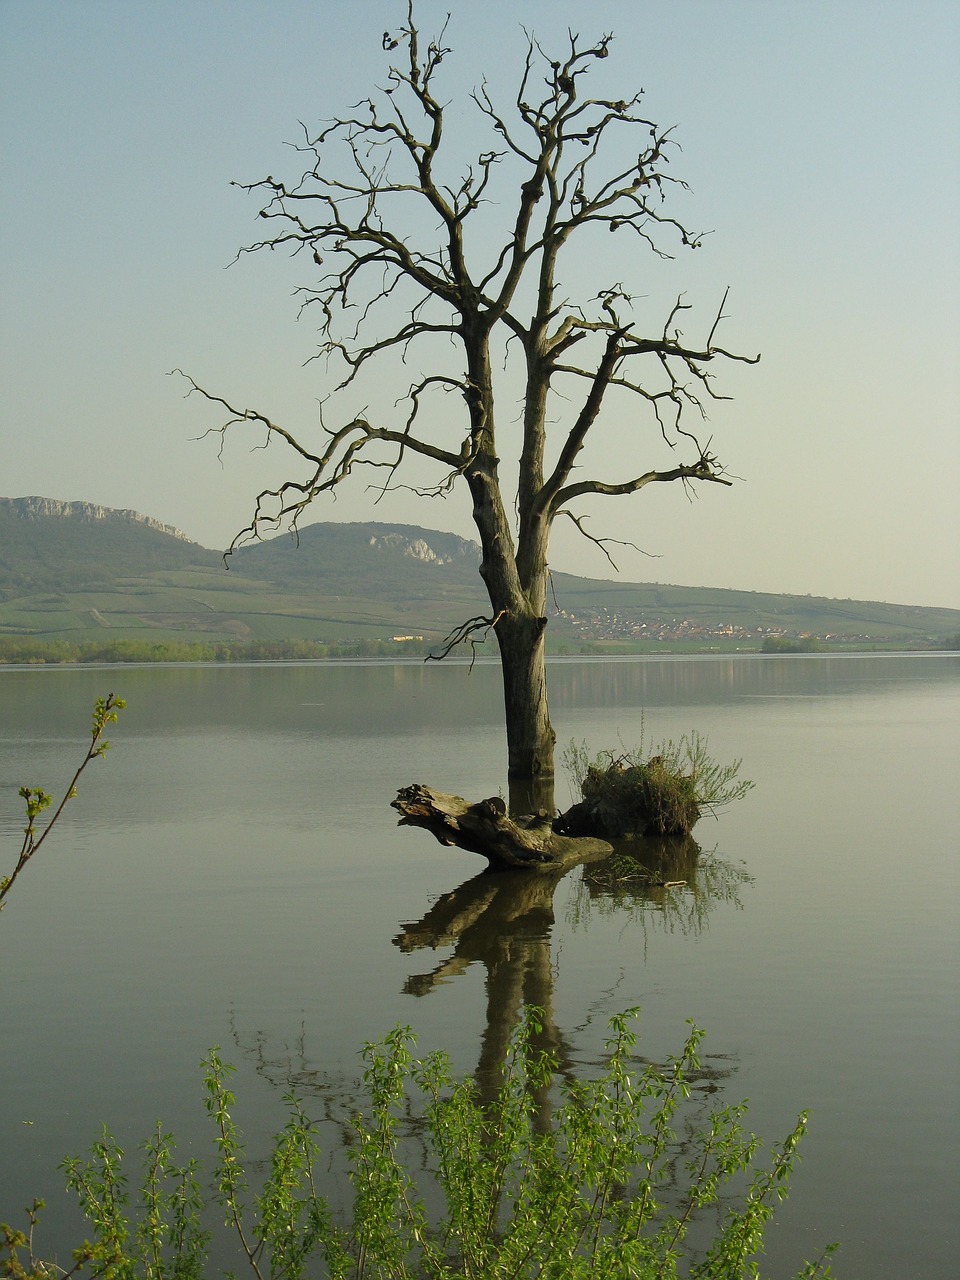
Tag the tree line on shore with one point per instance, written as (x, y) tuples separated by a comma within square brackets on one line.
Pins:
[(18, 651)]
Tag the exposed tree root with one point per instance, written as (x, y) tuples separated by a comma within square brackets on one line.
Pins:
[(484, 828)]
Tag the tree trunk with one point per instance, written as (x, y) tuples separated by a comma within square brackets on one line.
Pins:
[(517, 604), (516, 581), (530, 735)]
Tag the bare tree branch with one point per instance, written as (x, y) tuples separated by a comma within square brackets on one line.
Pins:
[(602, 543), (331, 468), (381, 208), (473, 632), (706, 469)]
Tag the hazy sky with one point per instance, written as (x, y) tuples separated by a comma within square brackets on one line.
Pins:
[(821, 139)]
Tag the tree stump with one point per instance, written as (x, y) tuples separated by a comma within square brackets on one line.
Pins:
[(484, 827)]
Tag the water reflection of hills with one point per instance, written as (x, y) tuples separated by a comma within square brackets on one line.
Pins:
[(378, 699), (697, 681)]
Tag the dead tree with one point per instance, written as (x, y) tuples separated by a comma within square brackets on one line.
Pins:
[(385, 216)]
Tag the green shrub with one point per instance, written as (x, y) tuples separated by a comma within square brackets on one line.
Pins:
[(603, 1193), (626, 794), (786, 644)]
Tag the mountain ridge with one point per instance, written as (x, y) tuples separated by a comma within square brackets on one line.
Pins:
[(37, 508), (72, 572)]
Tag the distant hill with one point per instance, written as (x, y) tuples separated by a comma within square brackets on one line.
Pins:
[(83, 580), (393, 560), (48, 545)]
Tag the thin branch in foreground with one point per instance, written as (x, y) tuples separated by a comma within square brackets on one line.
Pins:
[(37, 800)]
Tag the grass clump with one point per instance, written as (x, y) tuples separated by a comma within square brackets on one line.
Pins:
[(665, 793), (603, 1192)]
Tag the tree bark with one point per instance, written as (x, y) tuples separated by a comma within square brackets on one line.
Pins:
[(516, 588), (486, 829), (530, 735)]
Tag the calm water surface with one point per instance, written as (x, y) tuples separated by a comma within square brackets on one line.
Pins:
[(233, 874)]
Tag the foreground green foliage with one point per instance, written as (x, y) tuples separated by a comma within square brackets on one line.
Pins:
[(606, 1191), (664, 793), (37, 801)]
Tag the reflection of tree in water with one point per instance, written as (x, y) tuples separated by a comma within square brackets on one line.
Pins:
[(504, 921), (288, 1067), (666, 883), (334, 1102)]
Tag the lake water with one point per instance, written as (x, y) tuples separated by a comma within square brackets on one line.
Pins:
[(232, 873)]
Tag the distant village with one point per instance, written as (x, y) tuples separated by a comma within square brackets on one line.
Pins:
[(606, 625)]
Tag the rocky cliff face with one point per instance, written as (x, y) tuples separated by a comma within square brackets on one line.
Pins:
[(453, 550), (44, 508)]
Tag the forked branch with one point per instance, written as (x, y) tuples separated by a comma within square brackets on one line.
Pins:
[(473, 632), (603, 543), (347, 447)]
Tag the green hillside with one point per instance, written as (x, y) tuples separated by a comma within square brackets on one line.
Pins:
[(91, 583), (109, 583), (613, 610), (50, 546)]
